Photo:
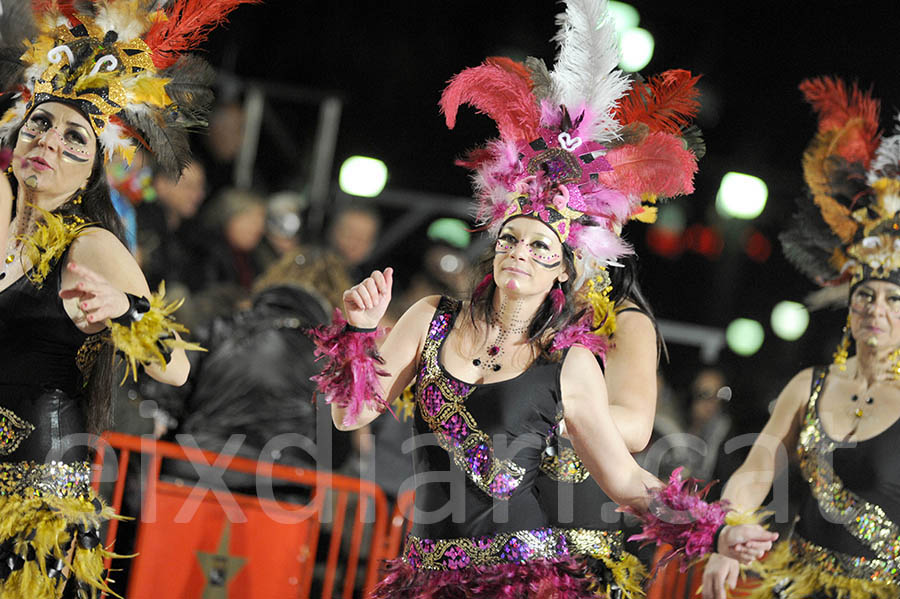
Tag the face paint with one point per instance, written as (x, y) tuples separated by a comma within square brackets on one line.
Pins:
[(539, 250), (32, 181), (74, 143)]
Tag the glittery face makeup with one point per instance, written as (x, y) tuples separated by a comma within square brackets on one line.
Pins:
[(75, 143), (539, 248), (875, 313)]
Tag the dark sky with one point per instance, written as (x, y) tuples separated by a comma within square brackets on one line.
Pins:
[(389, 61)]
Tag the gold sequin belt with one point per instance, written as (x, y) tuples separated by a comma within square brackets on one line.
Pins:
[(599, 544), (842, 564), (35, 479), (489, 550)]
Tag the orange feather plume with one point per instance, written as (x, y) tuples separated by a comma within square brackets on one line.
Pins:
[(849, 113), (666, 102)]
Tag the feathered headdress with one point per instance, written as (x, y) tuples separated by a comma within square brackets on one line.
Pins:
[(120, 62), (847, 228), (580, 147)]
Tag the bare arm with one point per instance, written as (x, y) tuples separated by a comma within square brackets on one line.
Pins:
[(631, 378), (594, 435), (6, 200), (750, 484), (99, 272), (400, 352)]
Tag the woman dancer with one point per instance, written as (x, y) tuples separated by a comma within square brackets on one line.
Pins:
[(70, 292), (839, 421), (493, 373)]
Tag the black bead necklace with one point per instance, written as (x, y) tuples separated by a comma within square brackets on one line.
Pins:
[(858, 412), (494, 351)]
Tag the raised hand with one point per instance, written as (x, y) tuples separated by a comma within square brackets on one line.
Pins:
[(97, 299), (719, 573), (745, 542), (366, 302)]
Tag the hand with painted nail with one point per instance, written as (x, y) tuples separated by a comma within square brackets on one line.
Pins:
[(97, 299)]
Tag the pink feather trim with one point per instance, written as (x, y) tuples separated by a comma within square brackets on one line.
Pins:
[(503, 95), (659, 165), (679, 516), (349, 377), (559, 300), (580, 333), (563, 578)]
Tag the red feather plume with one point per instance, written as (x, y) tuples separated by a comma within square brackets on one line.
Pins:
[(498, 89), (847, 110), (666, 102), (187, 26), (66, 7), (659, 165)]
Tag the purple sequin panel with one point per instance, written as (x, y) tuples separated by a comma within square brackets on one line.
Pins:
[(440, 326), (455, 554)]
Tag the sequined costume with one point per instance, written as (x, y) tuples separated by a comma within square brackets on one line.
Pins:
[(846, 542), (479, 527), (46, 504)]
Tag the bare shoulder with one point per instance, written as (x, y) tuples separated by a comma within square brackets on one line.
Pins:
[(794, 396), (631, 319), (580, 368), (96, 245)]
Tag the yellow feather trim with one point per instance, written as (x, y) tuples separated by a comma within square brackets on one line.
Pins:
[(597, 295), (806, 567), (628, 573), (150, 90), (648, 214), (49, 241), (44, 525), (138, 341)]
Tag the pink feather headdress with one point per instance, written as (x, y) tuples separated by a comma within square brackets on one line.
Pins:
[(580, 147)]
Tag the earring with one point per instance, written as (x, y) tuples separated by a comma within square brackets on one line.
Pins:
[(558, 298), (843, 348), (482, 286)]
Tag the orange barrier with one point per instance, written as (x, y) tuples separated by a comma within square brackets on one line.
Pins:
[(671, 583), (400, 525), (196, 542)]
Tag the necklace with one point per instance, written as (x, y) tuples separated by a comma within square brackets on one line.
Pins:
[(494, 351), (858, 413), (17, 232)]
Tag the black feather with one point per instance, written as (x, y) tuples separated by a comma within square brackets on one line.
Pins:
[(809, 243), (167, 140), (693, 139), (189, 87)]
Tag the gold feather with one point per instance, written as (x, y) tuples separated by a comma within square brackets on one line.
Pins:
[(46, 245), (139, 341)]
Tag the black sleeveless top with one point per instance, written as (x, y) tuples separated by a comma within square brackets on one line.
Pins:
[(853, 500), (41, 387), (478, 447), (569, 495)]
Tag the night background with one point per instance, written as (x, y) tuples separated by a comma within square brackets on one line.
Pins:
[(389, 61)]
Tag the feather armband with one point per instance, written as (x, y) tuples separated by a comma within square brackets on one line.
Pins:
[(150, 339), (679, 516), (349, 377)]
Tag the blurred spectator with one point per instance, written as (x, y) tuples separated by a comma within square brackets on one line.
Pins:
[(168, 235), (353, 235), (709, 422), (223, 144), (283, 223), (238, 217), (254, 380)]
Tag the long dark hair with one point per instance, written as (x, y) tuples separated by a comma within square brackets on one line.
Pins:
[(626, 286), (95, 207), (545, 320)]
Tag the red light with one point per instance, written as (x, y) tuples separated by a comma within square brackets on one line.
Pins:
[(758, 247)]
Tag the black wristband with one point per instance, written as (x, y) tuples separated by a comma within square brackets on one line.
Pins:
[(164, 349), (715, 539), (352, 329), (137, 307)]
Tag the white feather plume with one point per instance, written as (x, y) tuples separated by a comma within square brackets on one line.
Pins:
[(7, 128), (126, 17), (585, 71), (887, 157), (114, 140)]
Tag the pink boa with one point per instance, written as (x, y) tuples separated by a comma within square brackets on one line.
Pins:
[(680, 516), (350, 375), (542, 579)]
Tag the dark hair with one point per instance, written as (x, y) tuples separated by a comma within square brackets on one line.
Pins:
[(481, 305), (627, 287), (95, 207)]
